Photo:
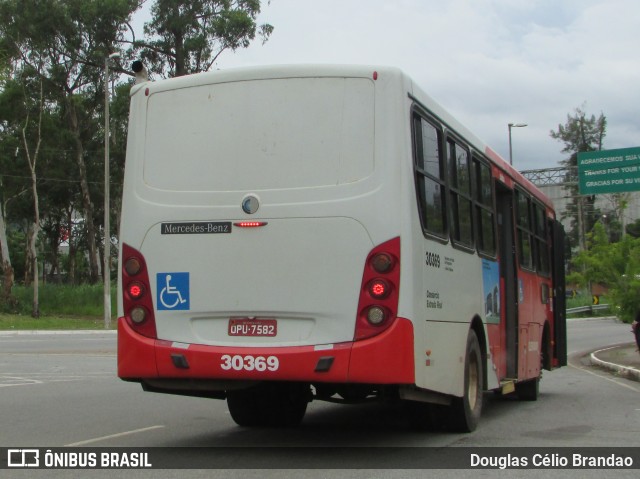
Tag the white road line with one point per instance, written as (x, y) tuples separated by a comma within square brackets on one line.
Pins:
[(30, 379), (21, 381), (75, 354), (51, 332), (113, 436), (606, 378)]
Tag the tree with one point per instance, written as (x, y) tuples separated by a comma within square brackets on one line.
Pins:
[(62, 45), (67, 42), (32, 160), (615, 264), (186, 37), (596, 262), (580, 134), (5, 256), (625, 293), (633, 229), (16, 129)]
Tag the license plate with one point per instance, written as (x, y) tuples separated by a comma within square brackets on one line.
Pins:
[(253, 327)]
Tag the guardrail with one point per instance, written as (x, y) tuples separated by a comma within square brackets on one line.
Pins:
[(587, 309)]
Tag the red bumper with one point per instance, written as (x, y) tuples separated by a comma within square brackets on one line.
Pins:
[(384, 359)]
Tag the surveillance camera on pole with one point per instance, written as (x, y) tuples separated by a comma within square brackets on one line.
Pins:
[(140, 71)]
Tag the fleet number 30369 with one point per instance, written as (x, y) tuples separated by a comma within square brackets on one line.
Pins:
[(249, 363)]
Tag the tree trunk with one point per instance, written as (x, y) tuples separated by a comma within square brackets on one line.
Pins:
[(32, 160), (35, 311), (72, 264), (28, 258), (7, 268), (87, 206)]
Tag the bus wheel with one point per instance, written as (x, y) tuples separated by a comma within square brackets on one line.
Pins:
[(529, 390), (269, 405), (465, 411)]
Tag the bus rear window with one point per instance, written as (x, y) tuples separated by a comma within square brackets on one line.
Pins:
[(258, 135)]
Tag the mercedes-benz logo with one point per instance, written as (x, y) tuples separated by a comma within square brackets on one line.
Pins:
[(250, 205)]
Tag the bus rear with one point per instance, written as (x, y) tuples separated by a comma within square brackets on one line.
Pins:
[(260, 241)]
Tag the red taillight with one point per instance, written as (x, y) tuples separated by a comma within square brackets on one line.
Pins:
[(136, 290), (137, 304), (379, 289), (378, 305)]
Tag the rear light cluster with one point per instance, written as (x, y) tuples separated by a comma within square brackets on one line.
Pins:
[(378, 305), (136, 292)]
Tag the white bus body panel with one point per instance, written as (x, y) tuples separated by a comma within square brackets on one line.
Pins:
[(289, 270), (305, 147)]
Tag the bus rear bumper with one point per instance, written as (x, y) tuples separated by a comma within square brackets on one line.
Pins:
[(384, 359)]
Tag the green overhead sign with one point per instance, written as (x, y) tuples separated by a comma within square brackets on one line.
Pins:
[(609, 171)]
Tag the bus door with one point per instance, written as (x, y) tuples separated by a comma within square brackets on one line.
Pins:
[(559, 296), (508, 278)]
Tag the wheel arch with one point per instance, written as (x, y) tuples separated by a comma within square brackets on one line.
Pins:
[(477, 326)]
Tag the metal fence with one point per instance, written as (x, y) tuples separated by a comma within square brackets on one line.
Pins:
[(587, 309)]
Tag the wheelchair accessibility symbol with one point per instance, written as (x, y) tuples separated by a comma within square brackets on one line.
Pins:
[(172, 291)]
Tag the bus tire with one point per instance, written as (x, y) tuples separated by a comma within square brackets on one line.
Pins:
[(269, 405), (466, 411), (528, 390)]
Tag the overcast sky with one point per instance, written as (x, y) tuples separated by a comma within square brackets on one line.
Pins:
[(489, 62)]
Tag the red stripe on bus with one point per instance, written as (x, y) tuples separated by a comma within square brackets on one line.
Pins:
[(383, 359)]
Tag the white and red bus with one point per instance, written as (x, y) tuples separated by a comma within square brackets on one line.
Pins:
[(303, 233)]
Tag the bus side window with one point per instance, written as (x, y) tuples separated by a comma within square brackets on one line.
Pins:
[(524, 223), (460, 188), (484, 211), (543, 263), (430, 171)]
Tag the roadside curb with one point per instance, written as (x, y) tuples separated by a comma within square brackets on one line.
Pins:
[(43, 332), (626, 371)]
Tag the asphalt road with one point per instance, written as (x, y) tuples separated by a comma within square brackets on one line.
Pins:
[(61, 390)]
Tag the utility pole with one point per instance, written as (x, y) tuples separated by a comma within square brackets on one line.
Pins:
[(106, 270)]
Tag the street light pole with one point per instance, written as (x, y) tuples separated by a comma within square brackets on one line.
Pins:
[(106, 272), (513, 125)]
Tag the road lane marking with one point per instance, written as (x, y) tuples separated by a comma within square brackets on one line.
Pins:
[(114, 436), (30, 379), (606, 378), (76, 353), (7, 381)]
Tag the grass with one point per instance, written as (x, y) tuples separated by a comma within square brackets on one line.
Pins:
[(18, 322), (61, 307)]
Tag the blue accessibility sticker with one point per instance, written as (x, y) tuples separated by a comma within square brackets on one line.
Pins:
[(172, 291)]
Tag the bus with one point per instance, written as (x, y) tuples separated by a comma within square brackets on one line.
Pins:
[(319, 232)]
